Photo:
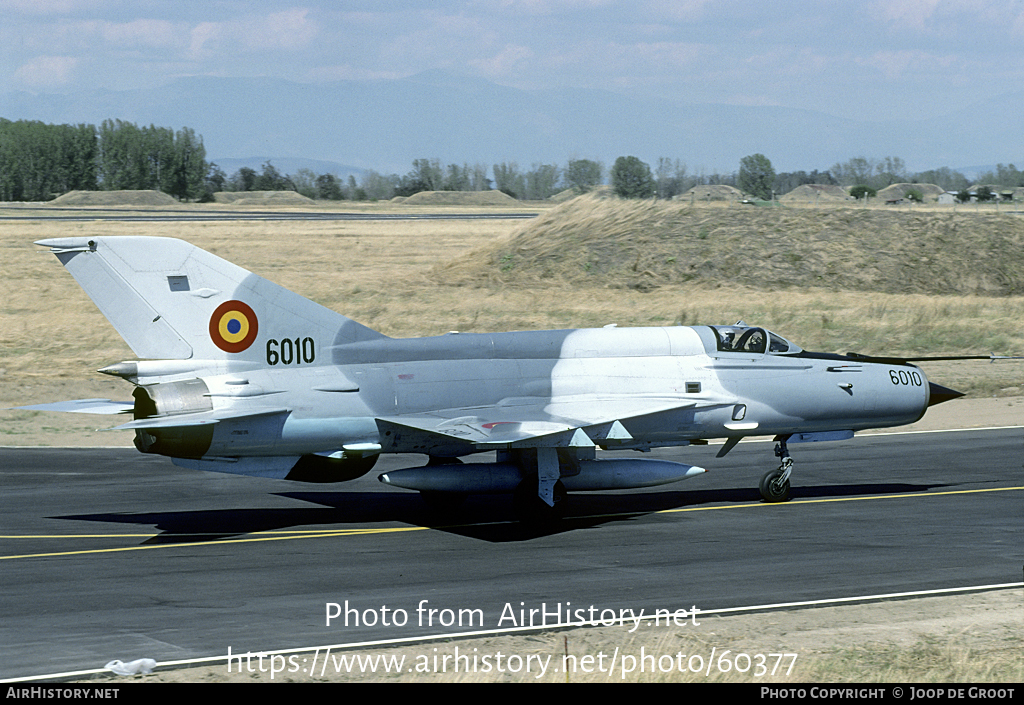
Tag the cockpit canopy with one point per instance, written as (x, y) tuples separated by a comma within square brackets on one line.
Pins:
[(749, 339)]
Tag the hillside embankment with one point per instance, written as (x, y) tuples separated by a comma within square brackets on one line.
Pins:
[(645, 244), (114, 198)]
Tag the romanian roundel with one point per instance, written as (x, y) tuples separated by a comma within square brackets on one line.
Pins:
[(233, 326)]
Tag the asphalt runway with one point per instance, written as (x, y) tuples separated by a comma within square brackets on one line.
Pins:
[(107, 553)]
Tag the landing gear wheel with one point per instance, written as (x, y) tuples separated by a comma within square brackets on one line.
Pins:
[(531, 510), (773, 487)]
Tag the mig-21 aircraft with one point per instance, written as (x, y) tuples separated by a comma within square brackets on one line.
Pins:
[(237, 374)]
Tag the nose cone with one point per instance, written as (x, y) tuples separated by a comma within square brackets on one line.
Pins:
[(938, 394)]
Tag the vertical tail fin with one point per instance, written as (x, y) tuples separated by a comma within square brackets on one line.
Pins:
[(171, 300)]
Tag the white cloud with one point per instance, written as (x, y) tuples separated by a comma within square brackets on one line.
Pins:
[(1017, 25), (545, 7), (47, 7), (905, 63), (505, 62), (348, 72), (47, 71), (723, 50), (202, 34), (679, 10), (908, 13), (437, 39), (289, 30), (142, 32)]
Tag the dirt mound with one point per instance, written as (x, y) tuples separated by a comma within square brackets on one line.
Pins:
[(114, 198), (928, 191), (644, 244), (563, 196), (816, 193), (262, 198), (704, 194), (460, 198)]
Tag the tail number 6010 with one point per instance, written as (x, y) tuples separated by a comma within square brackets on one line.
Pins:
[(907, 377), (291, 352)]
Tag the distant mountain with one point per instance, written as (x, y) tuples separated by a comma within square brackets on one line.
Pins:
[(385, 124)]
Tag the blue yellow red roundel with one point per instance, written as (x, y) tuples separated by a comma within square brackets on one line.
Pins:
[(233, 326)]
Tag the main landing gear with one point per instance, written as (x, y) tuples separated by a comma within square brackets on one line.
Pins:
[(775, 483), (540, 498), (533, 511)]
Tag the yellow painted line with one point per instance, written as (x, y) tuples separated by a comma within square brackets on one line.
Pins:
[(841, 499), (77, 536), (275, 532), (792, 502), (312, 534)]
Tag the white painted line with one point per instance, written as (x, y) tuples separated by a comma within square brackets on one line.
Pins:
[(865, 598), (496, 632), (67, 448)]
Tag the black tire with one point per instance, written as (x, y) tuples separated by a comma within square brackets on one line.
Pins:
[(531, 510), (771, 489)]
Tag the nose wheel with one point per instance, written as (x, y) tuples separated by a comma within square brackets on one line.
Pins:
[(774, 485)]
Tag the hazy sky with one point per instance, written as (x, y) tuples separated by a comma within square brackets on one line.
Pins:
[(868, 59)]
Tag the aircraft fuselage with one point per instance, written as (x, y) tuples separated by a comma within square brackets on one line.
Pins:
[(713, 394)]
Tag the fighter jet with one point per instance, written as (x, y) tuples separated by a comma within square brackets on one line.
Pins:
[(237, 374)]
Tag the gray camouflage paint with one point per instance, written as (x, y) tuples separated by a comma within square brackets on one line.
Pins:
[(346, 388)]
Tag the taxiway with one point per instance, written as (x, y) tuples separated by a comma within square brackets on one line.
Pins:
[(108, 554)]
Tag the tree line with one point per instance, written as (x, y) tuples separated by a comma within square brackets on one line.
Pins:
[(629, 177), (39, 161)]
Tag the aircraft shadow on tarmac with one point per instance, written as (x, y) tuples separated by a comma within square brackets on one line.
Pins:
[(483, 517)]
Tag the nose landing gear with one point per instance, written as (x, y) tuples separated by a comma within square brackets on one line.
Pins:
[(774, 485)]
